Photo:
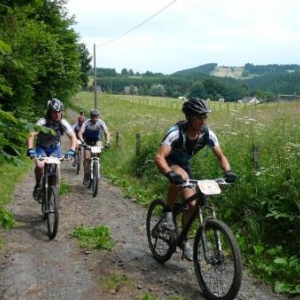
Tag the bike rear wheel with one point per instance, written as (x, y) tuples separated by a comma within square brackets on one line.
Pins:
[(220, 273), (78, 160), (95, 180), (162, 243), (52, 206)]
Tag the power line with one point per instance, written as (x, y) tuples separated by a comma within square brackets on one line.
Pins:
[(137, 26)]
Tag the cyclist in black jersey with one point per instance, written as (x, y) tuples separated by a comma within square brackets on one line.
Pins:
[(182, 141)]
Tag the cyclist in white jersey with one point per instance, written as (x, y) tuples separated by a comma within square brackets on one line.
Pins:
[(48, 144), (90, 134)]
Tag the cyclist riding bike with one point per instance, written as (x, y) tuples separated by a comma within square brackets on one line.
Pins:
[(182, 141), (90, 134), (48, 144), (76, 127)]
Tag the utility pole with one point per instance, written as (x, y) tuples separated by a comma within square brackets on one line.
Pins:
[(95, 79)]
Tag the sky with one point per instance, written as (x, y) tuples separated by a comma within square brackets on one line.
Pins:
[(166, 36)]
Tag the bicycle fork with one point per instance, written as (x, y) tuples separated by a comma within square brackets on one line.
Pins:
[(217, 238), (94, 159)]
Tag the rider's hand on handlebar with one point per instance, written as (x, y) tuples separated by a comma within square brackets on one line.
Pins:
[(70, 154), (175, 177), (84, 144), (107, 145), (31, 152), (230, 177)]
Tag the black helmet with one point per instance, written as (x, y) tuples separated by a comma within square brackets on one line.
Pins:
[(94, 112), (54, 105), (194, 106)]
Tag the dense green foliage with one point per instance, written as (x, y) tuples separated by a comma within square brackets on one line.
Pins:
[(40, 56)]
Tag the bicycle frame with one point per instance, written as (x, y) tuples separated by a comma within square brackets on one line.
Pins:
[(50, 172), (200, 198), (95, 156)]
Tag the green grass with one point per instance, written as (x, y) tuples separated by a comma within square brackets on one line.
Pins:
[(93, 238), (10, 176)]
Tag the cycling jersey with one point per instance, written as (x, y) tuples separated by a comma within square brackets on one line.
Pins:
[(182, 148), (92, 132), (50, 140), (76, 127)]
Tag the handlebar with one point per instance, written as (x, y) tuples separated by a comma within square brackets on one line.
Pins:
[(50, 159), (189, 183)]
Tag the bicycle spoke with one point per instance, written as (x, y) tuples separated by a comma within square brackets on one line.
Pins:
[(218, 262)]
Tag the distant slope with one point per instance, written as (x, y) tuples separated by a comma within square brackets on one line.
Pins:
[(233, 72), (203, 69), (243, 72)]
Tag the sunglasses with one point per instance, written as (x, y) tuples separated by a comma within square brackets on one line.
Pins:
[(199, 117)]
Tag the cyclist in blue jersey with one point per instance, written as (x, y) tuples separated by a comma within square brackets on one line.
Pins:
[(91, 134), (182, 141), (48, 144)]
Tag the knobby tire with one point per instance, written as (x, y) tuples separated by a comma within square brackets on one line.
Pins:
[(219, 277), (161, 242), (78, 160), (52, 207), (95, 180)]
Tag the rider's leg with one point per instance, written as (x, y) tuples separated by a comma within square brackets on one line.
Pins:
[(86, 166), (86, 161), (38, 172), (172, 196)]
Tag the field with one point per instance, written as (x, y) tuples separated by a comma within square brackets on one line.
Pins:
[(262, 143)]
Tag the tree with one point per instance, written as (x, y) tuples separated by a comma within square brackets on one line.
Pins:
[(198, 91), (157, 90), (45, 58), (85, 60), (124, 72)]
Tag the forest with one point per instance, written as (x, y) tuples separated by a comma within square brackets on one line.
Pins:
[(264, 82)]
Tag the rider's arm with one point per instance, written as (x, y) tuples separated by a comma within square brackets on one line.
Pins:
[(106, 135), (80, 133), (30, 141), (222, 160), (73, 140), (160, 159)]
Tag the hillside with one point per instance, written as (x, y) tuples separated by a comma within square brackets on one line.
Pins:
[(234, 72), (242, 72)]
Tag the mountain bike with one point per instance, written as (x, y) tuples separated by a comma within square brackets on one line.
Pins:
[(49, 199), (94, 169), (216, 255)]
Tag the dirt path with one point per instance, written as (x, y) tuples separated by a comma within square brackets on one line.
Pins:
[(32, 267)]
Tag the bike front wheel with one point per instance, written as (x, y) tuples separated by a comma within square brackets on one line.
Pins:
[(162, 243), (52, 206), (95, 180), (217, 261)]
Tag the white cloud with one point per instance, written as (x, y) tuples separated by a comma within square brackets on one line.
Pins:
[(188, 33)]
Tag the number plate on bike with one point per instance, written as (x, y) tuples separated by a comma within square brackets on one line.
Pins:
[(95, 149), (52, 160), (209, 187)]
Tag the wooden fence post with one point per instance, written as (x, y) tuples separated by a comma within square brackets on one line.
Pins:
[(117, 139)]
